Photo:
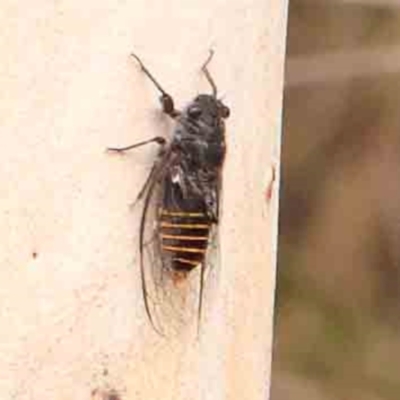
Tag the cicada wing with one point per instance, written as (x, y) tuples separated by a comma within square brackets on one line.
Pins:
[(210, 267), (170, 296)]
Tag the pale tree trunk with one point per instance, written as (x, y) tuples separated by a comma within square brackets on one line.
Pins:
[(72, 313)]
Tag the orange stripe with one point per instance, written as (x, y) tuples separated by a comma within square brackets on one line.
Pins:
[(184, 226), (185, 261), (183, 249), (181, 237), (180, 213)]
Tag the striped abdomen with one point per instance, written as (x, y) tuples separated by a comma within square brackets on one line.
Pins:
[(184, 238)]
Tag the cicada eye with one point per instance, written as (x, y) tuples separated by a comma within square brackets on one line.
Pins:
[(225, 111), (194, 111)]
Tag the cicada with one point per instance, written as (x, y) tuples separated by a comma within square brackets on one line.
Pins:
[(181, 203)]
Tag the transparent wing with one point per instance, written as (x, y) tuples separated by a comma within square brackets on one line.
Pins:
[(210, 269), (172, 298)]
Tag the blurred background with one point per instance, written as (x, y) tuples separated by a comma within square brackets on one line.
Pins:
[(337, 321)]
